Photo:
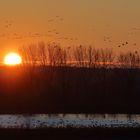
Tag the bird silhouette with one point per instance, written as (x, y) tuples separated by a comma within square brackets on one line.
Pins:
[(61, 19), (135, 44), (136, 29), (50, 20)]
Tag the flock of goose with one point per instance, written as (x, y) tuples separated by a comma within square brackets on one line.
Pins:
[(8, 24)]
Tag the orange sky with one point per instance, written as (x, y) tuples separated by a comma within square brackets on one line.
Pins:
[(101, 23)]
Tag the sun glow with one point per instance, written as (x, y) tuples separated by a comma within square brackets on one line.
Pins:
[(12, 59)]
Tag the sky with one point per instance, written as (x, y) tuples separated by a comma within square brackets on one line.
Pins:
[(100, 23)]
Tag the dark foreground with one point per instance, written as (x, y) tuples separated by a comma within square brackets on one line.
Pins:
[(69, 90), (72, 134)]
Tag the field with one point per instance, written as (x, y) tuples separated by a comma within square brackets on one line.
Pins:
[(38, 89), (69, 90)]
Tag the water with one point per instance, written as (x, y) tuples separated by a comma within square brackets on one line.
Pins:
[(37, 121)]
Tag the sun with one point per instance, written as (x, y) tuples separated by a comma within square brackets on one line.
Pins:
[(12, 59)]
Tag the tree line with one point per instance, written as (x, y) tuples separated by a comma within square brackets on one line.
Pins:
[(54, 54)]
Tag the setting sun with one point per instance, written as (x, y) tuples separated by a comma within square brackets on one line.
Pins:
[(12, 59)]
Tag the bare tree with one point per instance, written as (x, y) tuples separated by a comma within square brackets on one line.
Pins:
[(134, 60), (129, 60), (96, 62), (89, 56), (29, 54), (51, 54), (106, 57), (42, 53), (57, 55), (123, 60), (79, 54)]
